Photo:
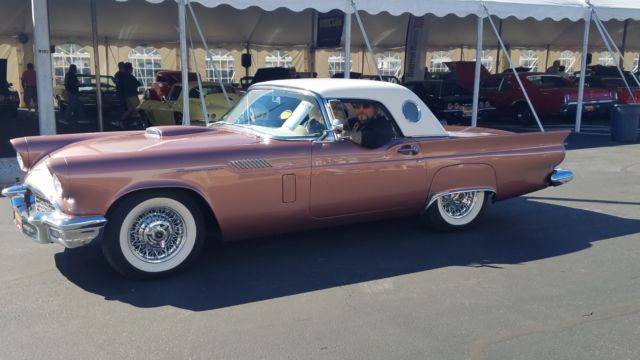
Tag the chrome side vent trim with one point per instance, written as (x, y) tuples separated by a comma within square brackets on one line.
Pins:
[(248, 164)]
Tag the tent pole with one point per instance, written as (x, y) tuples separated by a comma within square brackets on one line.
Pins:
[(96, 64), (498, 47), (44, 86), (366, 38), (624, 42), (515, 73), (206, 47), (347, 45), (184, 62), (604, 32), (583, 69), (476, 79), (606, 40), (546, 60), (203, 105)]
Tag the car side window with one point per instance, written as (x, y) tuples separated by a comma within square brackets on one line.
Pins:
[(506, 85), (345, 110), (175, 93)]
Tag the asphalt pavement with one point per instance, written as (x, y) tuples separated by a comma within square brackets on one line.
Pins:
[(551, 275)]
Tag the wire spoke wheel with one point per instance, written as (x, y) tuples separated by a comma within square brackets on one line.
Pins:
[(157, 235)]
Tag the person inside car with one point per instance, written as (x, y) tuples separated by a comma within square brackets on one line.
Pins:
[(369, 128)]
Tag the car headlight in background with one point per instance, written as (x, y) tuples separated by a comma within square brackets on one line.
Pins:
[(57, 185), (20, 162)]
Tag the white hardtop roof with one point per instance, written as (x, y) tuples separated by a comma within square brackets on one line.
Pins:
[(392, 96)]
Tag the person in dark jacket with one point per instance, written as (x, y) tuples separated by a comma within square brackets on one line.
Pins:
[(368, 129), (72, 87), (117, 77), (129, 91)]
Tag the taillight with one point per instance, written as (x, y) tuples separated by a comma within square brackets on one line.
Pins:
[(449, 106), (456, 106), (487, 104), (480, 104)]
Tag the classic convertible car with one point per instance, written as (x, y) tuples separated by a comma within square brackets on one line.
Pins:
[(278, 161)]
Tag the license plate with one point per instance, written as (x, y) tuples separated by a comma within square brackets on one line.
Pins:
[(589, 108), (467, 111), (17, 218)]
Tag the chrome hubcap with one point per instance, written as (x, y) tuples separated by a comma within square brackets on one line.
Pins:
[(458, 205), (157, 235)]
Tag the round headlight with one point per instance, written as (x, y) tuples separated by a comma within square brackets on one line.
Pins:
[(57, 185), (20, 162)]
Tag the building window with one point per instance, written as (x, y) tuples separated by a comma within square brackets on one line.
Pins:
[(390, 63), (568, 60), (487, 60), (66, 55), (336, 63), (437, 61), (278, 58), (145, 61), (221, 63), (529, 59), (606, 59)]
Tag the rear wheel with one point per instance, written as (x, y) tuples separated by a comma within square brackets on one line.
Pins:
[(153, 234), (177, 118), (456, 211), (522, 114)]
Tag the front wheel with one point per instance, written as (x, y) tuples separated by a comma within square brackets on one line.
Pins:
[(522, 114), (153, 234), (456, 211)]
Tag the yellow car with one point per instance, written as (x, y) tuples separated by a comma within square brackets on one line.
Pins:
[(168, 111)]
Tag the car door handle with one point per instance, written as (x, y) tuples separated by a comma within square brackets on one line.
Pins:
[(409, 150)]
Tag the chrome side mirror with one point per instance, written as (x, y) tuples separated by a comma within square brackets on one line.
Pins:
[(336, 129), (337, 126)]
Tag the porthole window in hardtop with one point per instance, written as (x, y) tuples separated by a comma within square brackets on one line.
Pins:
[(411, 111)]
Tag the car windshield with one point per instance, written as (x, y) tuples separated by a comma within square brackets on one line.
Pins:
[(277, 112)]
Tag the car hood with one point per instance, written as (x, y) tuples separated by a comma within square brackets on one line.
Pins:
[(158, 141)]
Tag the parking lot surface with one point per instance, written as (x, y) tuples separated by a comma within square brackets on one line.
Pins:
[(553, 275)]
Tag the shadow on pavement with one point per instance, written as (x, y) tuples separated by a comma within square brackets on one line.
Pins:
[(513, 232)]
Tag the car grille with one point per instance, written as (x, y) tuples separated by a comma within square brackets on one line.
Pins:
[(43, 205)]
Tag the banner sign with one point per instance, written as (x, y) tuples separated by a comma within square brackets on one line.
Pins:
[(329, 30), (415, 49)]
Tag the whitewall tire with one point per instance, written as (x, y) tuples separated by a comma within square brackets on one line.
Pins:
[(456, 211), (153, 234)]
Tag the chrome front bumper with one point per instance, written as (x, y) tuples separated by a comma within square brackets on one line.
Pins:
[(560, 176), (51, 226)]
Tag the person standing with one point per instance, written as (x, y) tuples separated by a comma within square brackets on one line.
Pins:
[(129, 87), (28, 80), (72, 87), (122, 107)]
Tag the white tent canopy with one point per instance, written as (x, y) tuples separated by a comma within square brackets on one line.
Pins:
[(137, 22)]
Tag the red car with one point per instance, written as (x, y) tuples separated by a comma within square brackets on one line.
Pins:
[(549, 94), (616, 84), (164, 81)]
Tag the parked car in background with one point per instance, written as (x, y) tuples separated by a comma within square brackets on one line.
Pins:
[(88, 93), (608, 77), (164, 81), (9, 98), (168, 110), (550, 94), (279, 161), (449, 101)]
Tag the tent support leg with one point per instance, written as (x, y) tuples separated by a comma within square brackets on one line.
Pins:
[(44, 86), (347, 45), (184, 61), (476, 79), (366, 38), (515, 73), (583, 70)]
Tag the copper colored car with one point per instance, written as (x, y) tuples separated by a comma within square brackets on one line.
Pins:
[(283, 159)]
